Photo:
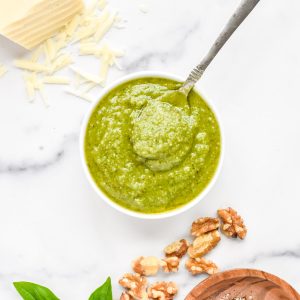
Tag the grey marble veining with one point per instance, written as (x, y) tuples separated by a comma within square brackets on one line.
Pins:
[(55, 231), (32, 166)]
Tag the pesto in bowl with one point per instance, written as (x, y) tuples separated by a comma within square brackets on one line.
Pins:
[(150, 156)]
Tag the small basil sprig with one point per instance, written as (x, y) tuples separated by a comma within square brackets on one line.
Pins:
[(104, 292), (32, 291)]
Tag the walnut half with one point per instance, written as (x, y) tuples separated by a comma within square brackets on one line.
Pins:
[(170, 264), (177, 248), (201, 265), (162, 290), (233, 225), (146, 266), (136, 286), (204, 243), (204, 225)]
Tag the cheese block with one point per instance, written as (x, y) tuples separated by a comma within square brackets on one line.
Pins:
[(30, 22)]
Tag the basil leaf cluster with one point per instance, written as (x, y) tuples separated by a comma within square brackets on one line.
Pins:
[(33, 291)]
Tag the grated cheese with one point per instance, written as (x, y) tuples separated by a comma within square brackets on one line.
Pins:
[(30, 83), (87, 31), (88, 49), (87, 28), (106, 26), (37, 54), (88, 77), (80, 95), (72, 26), (56, 80), (108, 55), (77, 80), (104, 70), (50, 49), (104, 51), (117, 64), (91, 25), (31, 66), (109, 58), (61, 62), (90, 86), (61, 42)]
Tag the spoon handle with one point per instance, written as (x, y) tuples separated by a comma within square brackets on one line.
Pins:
[(236, 19)]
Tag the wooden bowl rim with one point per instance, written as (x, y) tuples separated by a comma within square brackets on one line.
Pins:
[(205, 284)]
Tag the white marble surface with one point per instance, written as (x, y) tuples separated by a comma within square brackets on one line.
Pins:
[(53, 228)]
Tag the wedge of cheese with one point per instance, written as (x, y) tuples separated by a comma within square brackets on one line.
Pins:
[(30, 22)]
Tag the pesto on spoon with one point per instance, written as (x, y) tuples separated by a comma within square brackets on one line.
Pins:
[(172, 110)]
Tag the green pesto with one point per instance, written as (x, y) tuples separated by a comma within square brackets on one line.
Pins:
[(148, 155)]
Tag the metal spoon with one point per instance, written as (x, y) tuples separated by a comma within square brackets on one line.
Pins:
[(179, 97), (152, 114)]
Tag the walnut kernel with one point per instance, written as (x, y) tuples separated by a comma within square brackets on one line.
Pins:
[(201, 265), (178, 248), (233, 225), (136, 286), (146, 266), (204, 225), (162, 290), (204, 243), (170, 264), (126, 296)]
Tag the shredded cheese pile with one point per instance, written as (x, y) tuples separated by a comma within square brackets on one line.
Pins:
[(87, 30)]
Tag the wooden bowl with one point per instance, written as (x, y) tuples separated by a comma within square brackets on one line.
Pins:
[(243, 284)]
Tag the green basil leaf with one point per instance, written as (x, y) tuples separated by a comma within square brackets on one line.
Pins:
[(32, 291), (104, 292)]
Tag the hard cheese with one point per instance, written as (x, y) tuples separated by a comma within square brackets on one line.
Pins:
[(30, 22)]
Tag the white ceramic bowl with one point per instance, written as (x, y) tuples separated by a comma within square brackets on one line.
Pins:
[(98, 190)]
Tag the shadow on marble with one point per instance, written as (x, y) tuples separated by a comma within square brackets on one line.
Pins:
[(10, 49)]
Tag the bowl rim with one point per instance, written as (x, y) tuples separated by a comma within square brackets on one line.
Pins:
[(153, 216), (236, 273)]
